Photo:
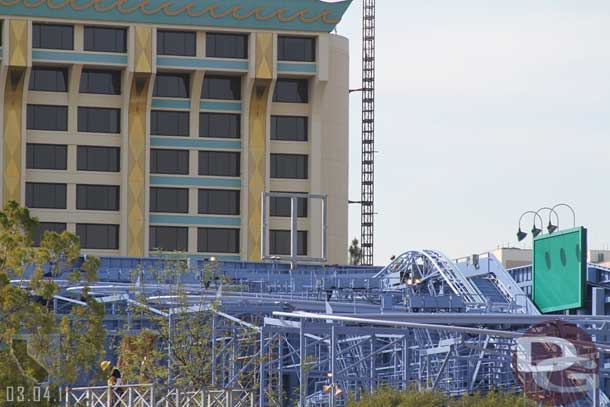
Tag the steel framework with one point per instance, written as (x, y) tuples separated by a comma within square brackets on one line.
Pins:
[(367, 207), (315, 336)]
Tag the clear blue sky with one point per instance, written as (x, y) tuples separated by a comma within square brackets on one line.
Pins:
[(485, 109)]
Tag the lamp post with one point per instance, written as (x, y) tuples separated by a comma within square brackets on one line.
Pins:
[(550, 227), (571, 210), (535, 231)]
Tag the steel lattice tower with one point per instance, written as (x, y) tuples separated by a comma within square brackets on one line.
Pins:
[(368, 131)]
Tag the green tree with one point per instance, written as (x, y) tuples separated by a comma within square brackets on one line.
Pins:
[(36, 345), (186, 337), (388, 397), (355, 253)]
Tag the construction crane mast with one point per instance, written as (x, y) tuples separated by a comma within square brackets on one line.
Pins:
[(367, 208)]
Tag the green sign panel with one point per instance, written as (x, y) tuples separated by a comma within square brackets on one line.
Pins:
[(560, 268)]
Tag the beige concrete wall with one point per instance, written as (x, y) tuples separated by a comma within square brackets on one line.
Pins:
[(330, 141)]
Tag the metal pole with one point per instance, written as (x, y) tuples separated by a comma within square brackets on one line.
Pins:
[(302, 353), (294, 251), (372, 365), (333, 357), (214, 350), (169, 348), (262, 369)]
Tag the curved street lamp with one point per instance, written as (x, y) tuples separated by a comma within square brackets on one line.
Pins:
[(570, 208), (550, 227), (535, 231)]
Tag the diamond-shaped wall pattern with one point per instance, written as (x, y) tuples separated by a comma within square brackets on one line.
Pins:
[(257, 165), (136, 175)]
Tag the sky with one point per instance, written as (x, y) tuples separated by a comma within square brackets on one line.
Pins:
[(484, 110)]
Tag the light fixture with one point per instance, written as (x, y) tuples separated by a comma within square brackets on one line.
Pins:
[(536, 231), (409, 281), (551, 228), (417, 281), (521, 235), (212, 258)]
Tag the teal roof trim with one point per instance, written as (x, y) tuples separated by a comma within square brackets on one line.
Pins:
[(296, 15)]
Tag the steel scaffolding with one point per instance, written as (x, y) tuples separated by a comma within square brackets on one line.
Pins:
[(316, 336)]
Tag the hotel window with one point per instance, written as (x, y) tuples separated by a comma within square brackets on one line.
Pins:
[(218, 240), (99, 120), (219, 202), (170, 200), (279, 242), (168, 238), (46, 227), (98, 197), (169, 161), (52, 36), (100, 82), (98, 236), (47, 196), (292, 166), (221, 87), (219, 125), (176, 43), (291, 91), (302, 49), (221, 45), (94, 158), (289, 128), (279, 206), (169, 123), (105, 39), (219, 163), (47, 117), (46, 156), (171, 85), (47, 79)]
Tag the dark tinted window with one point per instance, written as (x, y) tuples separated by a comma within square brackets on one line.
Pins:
[(98, 197), (93, 158), (47, 156), (176, 43), (47, 117), (99, 120), (47, 79), (279, 242), (217, 240), (220, 125), (293, 128), (291, 91), (226, 45), (44, 227), (296, 49), (169, 161), (221, 87), (100, 81), (289, 166), (52, 36), (171, 85), (172, 200), (219, 202), (168, 238), (169, 123), (105, 39), (279, 206), (219, 163), (40, 195), (98, 236)]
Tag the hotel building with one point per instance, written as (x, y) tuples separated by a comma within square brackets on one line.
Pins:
[(148, 124)]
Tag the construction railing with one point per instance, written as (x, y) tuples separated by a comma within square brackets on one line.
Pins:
[(143, 395)]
